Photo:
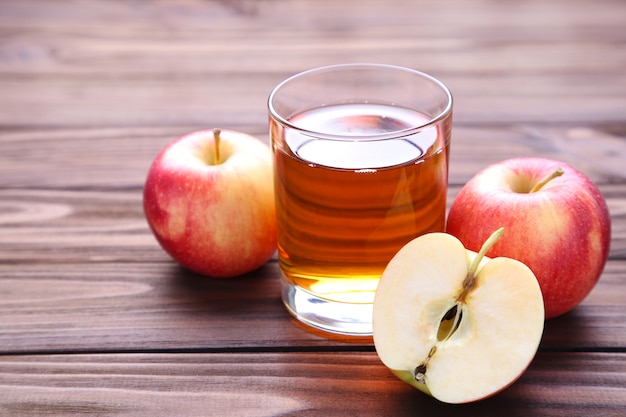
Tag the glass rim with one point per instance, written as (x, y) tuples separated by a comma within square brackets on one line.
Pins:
[(366, 137)]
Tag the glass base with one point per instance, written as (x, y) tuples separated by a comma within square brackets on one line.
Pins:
[(351, 319)]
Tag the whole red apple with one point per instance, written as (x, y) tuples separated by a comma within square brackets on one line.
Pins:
[(556, 221), (209, 200)]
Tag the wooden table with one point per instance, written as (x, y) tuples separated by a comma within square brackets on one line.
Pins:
[(95, 319)]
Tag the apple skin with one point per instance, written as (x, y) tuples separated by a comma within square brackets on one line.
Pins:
[(562, 232), (215, 219)]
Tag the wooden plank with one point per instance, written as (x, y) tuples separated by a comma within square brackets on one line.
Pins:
[(79, 270), (163, 64), (302, 384), (240, 99), (74, 226), (119, 158), (532, 21), (130, 306)]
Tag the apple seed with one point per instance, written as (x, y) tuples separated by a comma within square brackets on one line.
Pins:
[(449, 323), (420, 374), (420, 370)]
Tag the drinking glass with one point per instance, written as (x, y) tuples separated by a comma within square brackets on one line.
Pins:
[(361, 157)]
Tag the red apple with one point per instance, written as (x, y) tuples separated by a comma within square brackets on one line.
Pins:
[(557, 223), (210, 202)]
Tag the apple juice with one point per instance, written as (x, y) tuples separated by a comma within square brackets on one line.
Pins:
[(345, 207)]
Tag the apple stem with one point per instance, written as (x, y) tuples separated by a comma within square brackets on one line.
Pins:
[(470, 279), (216, 142), (556, 173)]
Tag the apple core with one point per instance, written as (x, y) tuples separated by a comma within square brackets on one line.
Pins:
[(451, 320)]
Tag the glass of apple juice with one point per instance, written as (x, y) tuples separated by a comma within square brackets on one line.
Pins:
[(361, 157)]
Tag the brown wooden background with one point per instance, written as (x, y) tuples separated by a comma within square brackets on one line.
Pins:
[(95, 319)]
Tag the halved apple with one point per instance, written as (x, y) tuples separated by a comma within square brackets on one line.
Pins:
[(453, 323)]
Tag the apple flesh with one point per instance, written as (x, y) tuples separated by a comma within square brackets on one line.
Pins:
[(209, 200), (453, 323), (557, 223)]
